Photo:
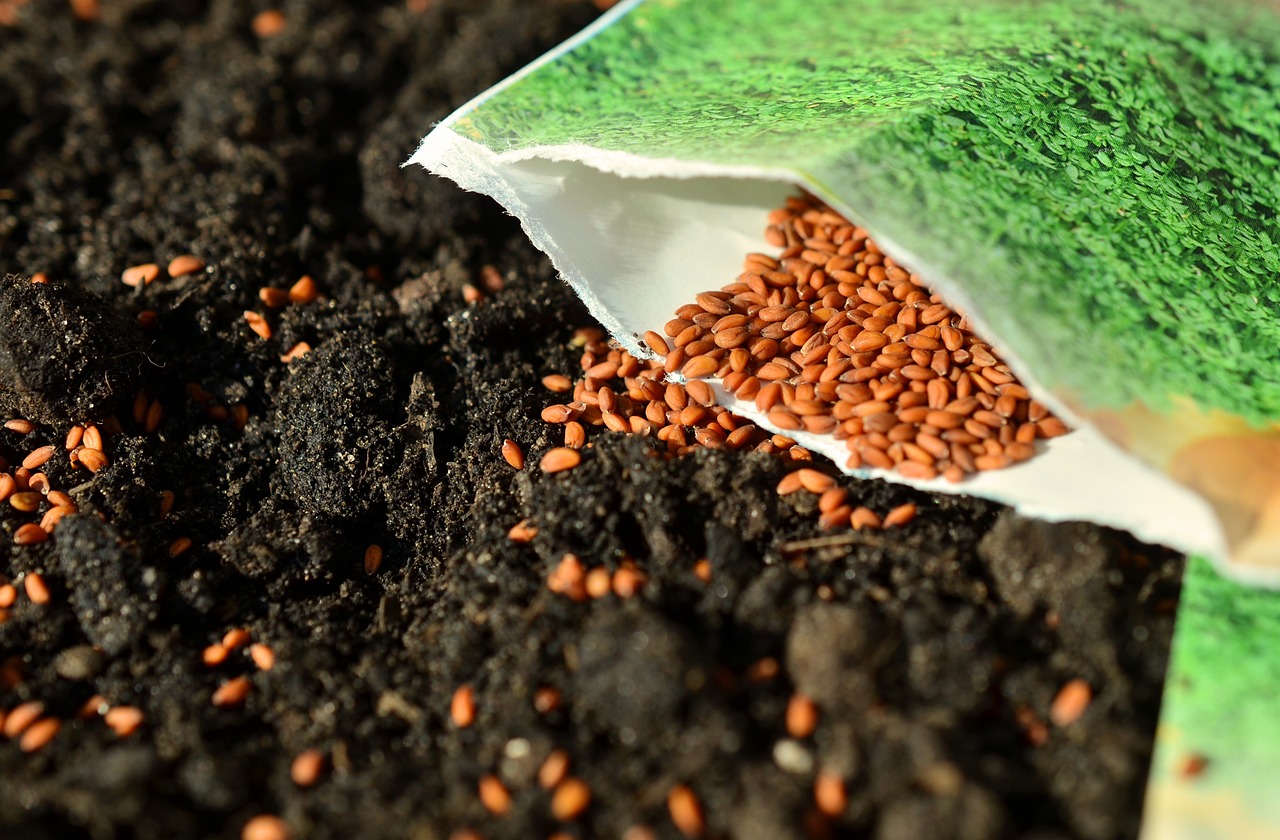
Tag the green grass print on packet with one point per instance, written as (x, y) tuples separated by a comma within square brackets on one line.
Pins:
[(1108, 172)]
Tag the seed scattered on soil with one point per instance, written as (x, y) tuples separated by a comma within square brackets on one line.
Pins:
[(557, 383), (512, 452), (462, 709), (303, 291), (599, 582), (36, 588), (494, 796), (179, 546), (273, 298), (123, 720), (8, 595), (38, 457), (802, 716), (140, 275), (1070, 703), (74, 437), (307, 767), (560, 459), (92, 460), (570, 799), (237, 637), (829, 793), (522, 532), (257, 323), (26, 501), (569, 578), (39, 734), (702, 570), (269, 24), (265, 827), (22, 427), (233, 692), (864, 517), (22, 716), (546, 700), (92, 438), (262, 656), (186, 264), (686, 811), (372, 559), (215, 655), (297, 351), (554, 769)]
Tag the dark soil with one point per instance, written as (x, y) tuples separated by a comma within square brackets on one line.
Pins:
[(167, 127)]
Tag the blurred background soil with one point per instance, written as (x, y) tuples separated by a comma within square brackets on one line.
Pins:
[(269, 147)]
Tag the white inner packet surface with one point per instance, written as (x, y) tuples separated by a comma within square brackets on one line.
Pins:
[(637, 238)]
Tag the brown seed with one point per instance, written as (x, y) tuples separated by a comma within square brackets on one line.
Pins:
[(628, 581), (560, 459), (93, 707), (166, 502), (186, 264), (236, 637), (685, 811), (307, 768), (304, 291), (575, 436), (702, 570), (265, 827), (39, 734), (570, 799), (123, 720), (91, 459), (36, 588), (231, 693), (863, 517), (522, 532), (546, 700), (179, 546), (21, 717), (699, 366), (554, 769), (269, 24), (802, 716), (815, 481), (470, 294), (38, 457), (22, 427), (900, 515), (74, 437), (790, 483), (215, 655), (26, 501), (273, 298), (92, 437), (58, 498), (494, 796), (262, 656), (599, 582), (297, 351), (557, 383), (8, 595), (140, 275), (1070, 703), (257, 323), (829, 794), (372, 559), (462, 708), (512, 452)]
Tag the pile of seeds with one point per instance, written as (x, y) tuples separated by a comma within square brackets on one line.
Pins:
[(833, 336)]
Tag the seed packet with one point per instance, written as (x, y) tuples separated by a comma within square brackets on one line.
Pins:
[(1092, 184)]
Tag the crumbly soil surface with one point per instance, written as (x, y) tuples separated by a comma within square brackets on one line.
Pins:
[(933, 651)]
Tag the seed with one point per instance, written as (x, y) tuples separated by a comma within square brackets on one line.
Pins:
[(74, 437), (557, 383), (462, 708), (258, 324), (863, 517), (8, 595), (307, 767), (802, 716), (26, 501), (273, 298), (265, 827), (179, 546), (91, 459), (22, 427), (21, 717), (236, 637), (494, 796), (546, 700), (36, 588), (231, 693), (557, 414), (702, 570), (262, 656), (268, 24), (698, 367), (372, 559), (38, 457), (166, 502), (570, 799), (522, 532), (93, 707), (554, 769), (599, 582), (123, 720), (560, 459), (304, 291), (790, 483), (1070, 703), (297, 351), (470, 294), (186, 264), (656, 343), (569, 578), (628, 581), (829, 794), (215, 655), (685, 811), (900, 515), (140, 275), (512, 452), (39, 734), (92, 437), (814, 481)]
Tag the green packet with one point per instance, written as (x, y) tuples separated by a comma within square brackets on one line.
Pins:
[(1093, 183)]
